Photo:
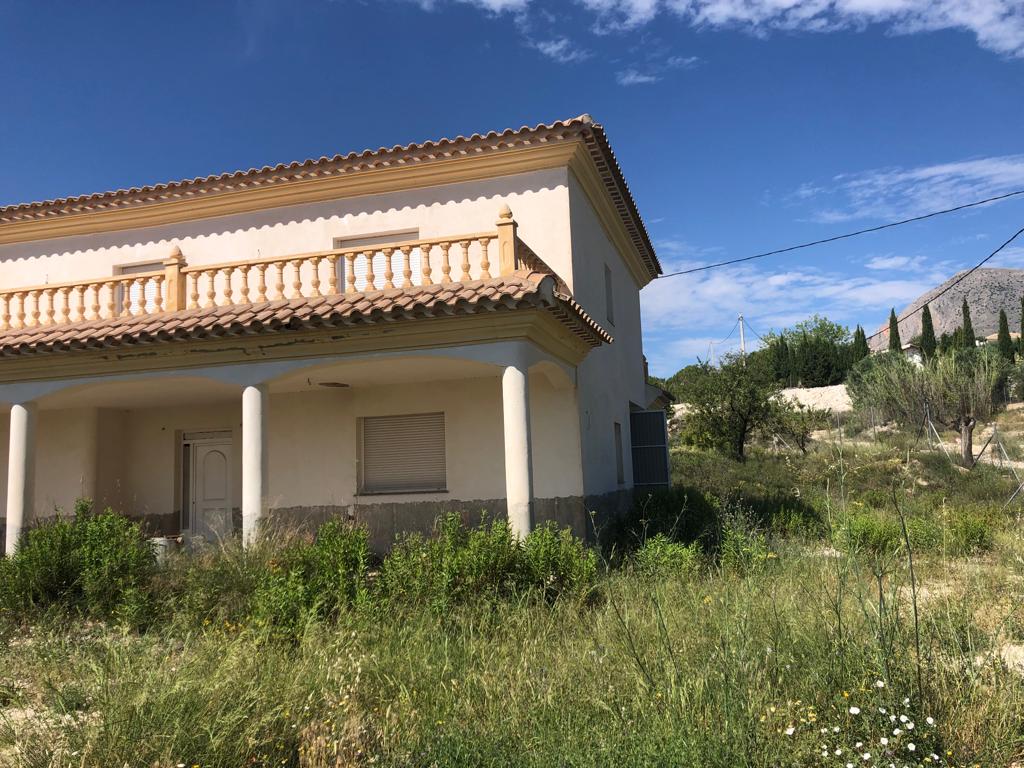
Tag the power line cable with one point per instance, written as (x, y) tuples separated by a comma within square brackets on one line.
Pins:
[(953, 284), (845, 236), (747, 323), (734, 326)]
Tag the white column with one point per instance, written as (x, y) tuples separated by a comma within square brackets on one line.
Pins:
[(254, 459), (515, 398), (21, 464)]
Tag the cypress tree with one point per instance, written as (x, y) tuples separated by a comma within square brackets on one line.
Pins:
[(927, 334), (860, 346), (1004, 341), (968, 329), (1020, 339), (895, 345)]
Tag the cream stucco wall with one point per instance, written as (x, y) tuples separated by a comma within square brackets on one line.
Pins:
[(539, 201), (610, 377), (126, 459)]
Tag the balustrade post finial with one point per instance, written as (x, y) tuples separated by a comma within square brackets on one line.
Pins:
[(174, 282), (507, 239)]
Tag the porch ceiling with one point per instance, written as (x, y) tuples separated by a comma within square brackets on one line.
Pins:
[(143, 393), (380, 372)]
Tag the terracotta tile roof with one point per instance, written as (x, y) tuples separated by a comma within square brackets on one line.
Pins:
[(582, 127), (524, 289)]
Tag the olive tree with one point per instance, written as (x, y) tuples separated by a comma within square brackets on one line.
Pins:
[(957, 389)]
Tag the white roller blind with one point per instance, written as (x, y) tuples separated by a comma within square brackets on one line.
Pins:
[(401, 454), (148, 288)]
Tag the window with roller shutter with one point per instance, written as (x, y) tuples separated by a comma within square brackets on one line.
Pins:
[(379, 260), (402, 454), (149, 289)]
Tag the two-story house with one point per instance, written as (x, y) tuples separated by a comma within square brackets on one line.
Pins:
[(453, 325)]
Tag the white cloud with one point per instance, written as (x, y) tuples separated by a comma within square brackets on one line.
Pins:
[(892, 193), (561, 49), (633, 77), (1009, 258), (998, 25), (890, 262), (682, 314)]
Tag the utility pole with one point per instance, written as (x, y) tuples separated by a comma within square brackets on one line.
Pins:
[(743, 342)]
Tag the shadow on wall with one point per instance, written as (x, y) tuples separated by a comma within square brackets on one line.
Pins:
[(347, 211)]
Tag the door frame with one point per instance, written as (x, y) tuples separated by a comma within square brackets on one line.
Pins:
[(187, 475)]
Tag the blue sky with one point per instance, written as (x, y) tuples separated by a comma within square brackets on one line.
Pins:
[(742, 125)]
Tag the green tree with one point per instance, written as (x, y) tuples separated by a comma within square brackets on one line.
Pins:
[(730, 402), (859, 350), (967, 338), (895, 345), (928, 344), (1005, 343)]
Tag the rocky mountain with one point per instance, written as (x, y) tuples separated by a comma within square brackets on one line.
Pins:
[(986, 290)]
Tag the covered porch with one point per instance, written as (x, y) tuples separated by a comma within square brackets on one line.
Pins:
[(390, 440)]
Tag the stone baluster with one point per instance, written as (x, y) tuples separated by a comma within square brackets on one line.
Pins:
[(229, 293), (314, 280), (95, 307), (425, 268), (350, 273), (406, 266), (446, 265), (244, 287), (193, 290), (34, 312), (111, 288), (140, 297), (485, 264), (19, 315), (464, 244), (5, 311), (261, 282), (65, 304), (158, 294), (297, 279), (126, 298), (370, 284), (211, 288), (51, 309), (388, 271), (332, 275), (279, 284), (79, 303)]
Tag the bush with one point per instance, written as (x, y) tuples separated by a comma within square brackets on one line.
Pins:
[(98, 564), (742, 547), (660, 556), (314, 579), (456, 565), (557, 562), (460, 564)]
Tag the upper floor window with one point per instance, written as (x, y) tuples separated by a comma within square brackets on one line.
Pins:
[(379, 261), (148, 290), (609, 298)]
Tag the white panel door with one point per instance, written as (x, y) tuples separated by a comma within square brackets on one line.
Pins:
[(211, 489)]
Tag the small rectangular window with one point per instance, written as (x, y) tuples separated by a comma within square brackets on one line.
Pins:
[(620, 470), (402, 454), (609, 299), (149, 289), (383, 238)]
